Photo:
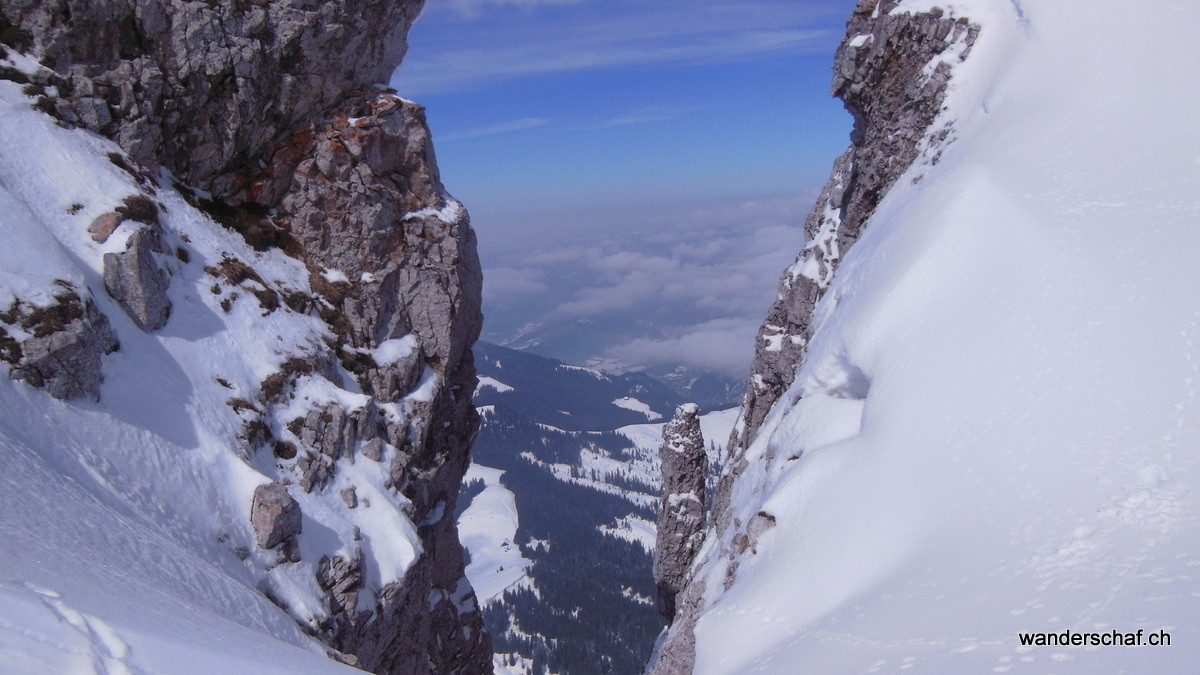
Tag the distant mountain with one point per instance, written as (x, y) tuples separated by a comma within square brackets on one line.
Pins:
[(557, 514), (707, 389), (572, 340), (566, 396)]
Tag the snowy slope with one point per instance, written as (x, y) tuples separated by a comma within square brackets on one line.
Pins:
[(642, 465), (996, 427), (125, 524), (488, 531), (568, 396), (630, 403), (92, 584), (557, 512)]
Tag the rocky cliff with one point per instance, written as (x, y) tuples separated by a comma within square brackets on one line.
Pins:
[(891, 71), (680, 528), (265, 117)]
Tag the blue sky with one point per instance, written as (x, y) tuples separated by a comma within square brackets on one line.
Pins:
[(594, 101), (569, 124)]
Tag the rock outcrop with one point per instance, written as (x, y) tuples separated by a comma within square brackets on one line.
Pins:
[(138, 280), (275, 515), (891, 71), (58, 346), (269, 116), (684, 467), (882, 75), (203, 87)]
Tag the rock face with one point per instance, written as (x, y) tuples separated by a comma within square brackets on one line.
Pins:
[(138, 280), (204, 87), (879, 73), (272, 109), (681, 508), (275, 515), (58, 346), (891, 72)]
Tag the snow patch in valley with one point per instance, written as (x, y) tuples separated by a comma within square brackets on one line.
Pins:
[(635, 529), (486, 382), (631, 403), (569, 473), (488, 530), (590, 371)]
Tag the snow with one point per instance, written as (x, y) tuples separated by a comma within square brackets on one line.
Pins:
[(571, 474), (998, 419), (493, 383), (335, 276), (773, 339), (122, 519), (92, 577), (860, 40), (590, 371), (635, 529), (715, 427), (511, 664), (391, 351), (631, 403), (425, 387), (636, 597), (824, 242), (488, 530), (449, 214)]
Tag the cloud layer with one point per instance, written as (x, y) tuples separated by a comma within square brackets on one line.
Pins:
[(672, 284)]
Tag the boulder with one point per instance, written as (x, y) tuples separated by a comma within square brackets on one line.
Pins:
[(138, 280), (104, 225), (275, 515)]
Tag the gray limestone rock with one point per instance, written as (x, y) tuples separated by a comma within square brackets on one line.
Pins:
[(364, 198), (202, 87), (880, 73), (138, 279), (684, 467), (62, 346), (342, 578), (102, 227), (881, 81), (271, 105), (275, 515), (373, 449)]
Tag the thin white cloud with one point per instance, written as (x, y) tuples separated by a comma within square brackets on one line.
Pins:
[(644, 116), (498, 128), (469, 67), (473, 9), (505, 285), (618, 34)]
